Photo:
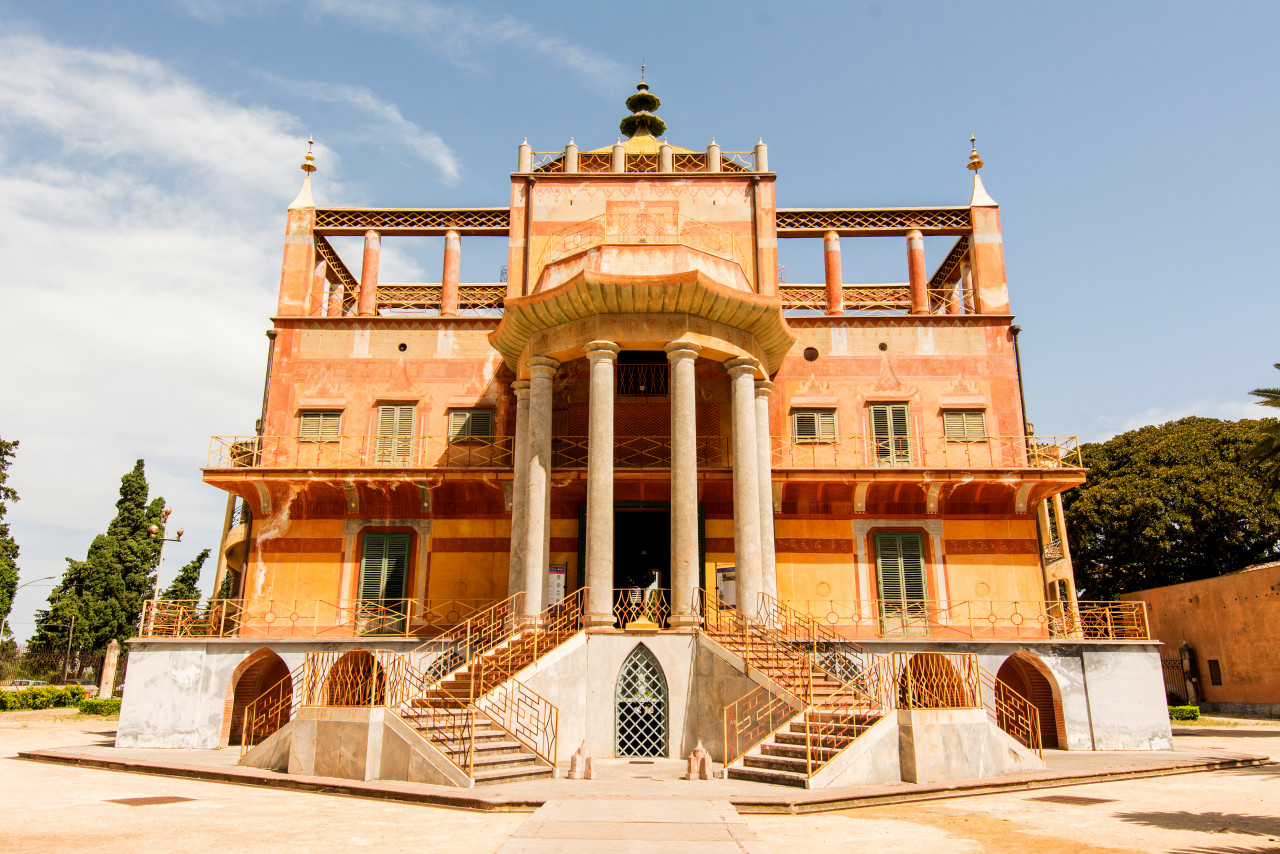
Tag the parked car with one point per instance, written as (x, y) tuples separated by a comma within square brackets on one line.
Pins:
[(23, 684)]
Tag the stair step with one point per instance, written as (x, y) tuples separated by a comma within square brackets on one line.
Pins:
[(512, 775), (789, 764), (837, 742), (797, 751), (763, 775)]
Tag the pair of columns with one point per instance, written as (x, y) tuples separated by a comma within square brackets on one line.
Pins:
[(916, 271), (367, 297), (753, 492)]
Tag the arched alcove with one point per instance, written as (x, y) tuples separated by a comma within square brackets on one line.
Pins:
[(261, 674), (642, 705), (1025, 673), (930, 681), (355, 679)]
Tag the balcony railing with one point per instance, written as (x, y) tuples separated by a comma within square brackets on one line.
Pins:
[(642, 452), (297, 618), (980, 619), (990, 452)]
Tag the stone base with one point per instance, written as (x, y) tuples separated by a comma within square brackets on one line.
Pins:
[(598, 621), (684, 621)]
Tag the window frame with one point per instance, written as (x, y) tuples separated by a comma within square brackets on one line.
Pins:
[(823, 433), (456, 436), (321, 434), (966, 433)]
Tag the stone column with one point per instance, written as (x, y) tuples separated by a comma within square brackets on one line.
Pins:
[(916, 272), (665, 159), (685, 569), (449, 276), (367, 305), (713, 156), (602, 356), (762, 156), (746, 485), (618, 161), (542, 371), (519, 488), (835, 283), (764, 466), (335, 299), (966, 288), (221, 572), (316, 306)]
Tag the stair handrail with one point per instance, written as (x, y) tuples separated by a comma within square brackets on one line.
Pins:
[(757, 642), (454, 716), (475, 636), (1012, 712), (529, 717), (556, 624), (270, 707), (821, 721)]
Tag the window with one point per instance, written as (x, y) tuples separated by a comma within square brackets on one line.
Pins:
[(468, 424), (813, 425), (322, 426), (1215, 672), (960, 425), (395, 434), (889, 432), (384, 569), (900, 568)]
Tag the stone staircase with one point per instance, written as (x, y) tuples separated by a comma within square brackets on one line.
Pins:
[(827, 713), (496, 756)]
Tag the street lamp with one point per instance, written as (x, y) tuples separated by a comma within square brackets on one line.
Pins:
[(157, 535), (4, 624)]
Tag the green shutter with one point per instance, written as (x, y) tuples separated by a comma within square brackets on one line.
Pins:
[(813, 425), (963, 425), (395, 434), (900, 570), (372, 566), (467, 424), (320, 426), (384, 571), (890, 434)]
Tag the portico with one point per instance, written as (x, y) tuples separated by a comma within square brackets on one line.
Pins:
[(689, 318)]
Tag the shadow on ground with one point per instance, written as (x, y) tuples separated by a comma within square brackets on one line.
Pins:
[(1208, 822)]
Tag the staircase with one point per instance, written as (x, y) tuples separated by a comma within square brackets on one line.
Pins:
[(788, 734), (473, 709)]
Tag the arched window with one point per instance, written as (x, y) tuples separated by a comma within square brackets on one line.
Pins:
[(641, 699)]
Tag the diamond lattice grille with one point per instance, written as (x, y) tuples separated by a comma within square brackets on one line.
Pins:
[(642, 706)]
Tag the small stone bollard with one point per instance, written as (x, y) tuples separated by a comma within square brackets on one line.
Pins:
[(581, 766), (699, 764)]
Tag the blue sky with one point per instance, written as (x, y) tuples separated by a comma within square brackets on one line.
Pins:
[(148, 151)]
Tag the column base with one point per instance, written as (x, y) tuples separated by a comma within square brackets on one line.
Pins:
[(684, 621), (598, 621)]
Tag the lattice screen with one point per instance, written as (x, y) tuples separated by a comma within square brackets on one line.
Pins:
[(642, 706)]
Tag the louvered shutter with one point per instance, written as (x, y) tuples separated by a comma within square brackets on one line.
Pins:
[(889, 567), (467, 424), (900, 567), (319, 426), (962, 425), (395, 433), (372, 566), (397, 566), (889, 431), (826, 425), (804, 425)]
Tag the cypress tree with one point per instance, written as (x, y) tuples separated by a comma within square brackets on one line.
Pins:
[(8, 548), (187, 583), (104, 592)]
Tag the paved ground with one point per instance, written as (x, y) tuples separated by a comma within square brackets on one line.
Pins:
[(46, 808)]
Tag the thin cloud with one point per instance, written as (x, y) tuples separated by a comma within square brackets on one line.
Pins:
[(390, 123), (1228, 410), (459, 32)]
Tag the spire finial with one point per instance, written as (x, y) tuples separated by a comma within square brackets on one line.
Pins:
[(309, 162), (975, 162), (642, 69)]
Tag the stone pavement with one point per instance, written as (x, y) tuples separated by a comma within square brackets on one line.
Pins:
[(634, 826)]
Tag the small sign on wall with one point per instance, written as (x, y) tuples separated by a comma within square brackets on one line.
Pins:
[(727, 586), (555, 584)]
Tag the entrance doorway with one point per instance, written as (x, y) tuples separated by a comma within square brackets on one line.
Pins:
[(641, 545)]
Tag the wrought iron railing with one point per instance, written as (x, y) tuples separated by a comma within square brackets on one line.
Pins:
[(408, 452), (1011, 712), (478, 634), (641, 605), (303, 618), (730, 161), (531, 718), (979, 619), (474, 300), (935, 451), (639, 452), (271, 709)]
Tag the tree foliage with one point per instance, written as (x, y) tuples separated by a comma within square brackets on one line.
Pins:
[(1163, 505), (1265, 455), (8, 548), (104, 592), (186, 585)]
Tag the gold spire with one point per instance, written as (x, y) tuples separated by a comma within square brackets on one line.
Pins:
[(309, 162), (975, 162)]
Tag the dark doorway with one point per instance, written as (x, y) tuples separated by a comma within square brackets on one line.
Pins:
[(641, 544)]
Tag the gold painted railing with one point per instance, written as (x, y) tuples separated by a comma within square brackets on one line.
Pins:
[(641, 604), (639, 452), (978, 619), (531, 718), (305, 618), (374, 677), (1012, 712), (937, 680), (291, 452), (989, 452), (470, 639), (271, 709), (474, 300)]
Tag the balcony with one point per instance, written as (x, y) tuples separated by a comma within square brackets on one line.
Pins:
[(915, 453)]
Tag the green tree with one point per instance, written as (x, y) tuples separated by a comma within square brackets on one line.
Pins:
[(187, 583), (1265, 455), (104, 592), (1163, 505), (8, 548)]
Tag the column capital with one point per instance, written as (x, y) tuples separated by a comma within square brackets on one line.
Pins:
[(542, 366), (520, 387), (372, 235), (740, 365), (677, 350), (452, 235), (598, 350), (763, 388)]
